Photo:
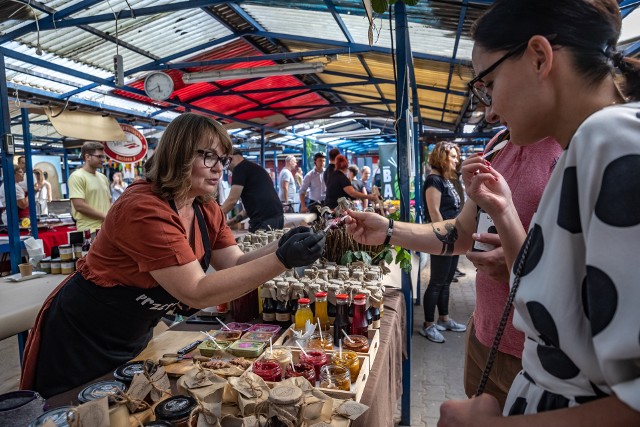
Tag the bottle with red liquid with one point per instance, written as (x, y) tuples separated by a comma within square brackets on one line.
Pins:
[(245, 308), (341, 321), (360, 326)]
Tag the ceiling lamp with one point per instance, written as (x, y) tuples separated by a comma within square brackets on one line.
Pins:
[(349, 134), (247, 73)]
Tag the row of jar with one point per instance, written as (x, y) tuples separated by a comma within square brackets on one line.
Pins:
[(58, 265)]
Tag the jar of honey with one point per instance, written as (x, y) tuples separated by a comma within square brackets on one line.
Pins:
[(358, 343), (335, 377), (268, 369), (318, 358), (66, 252), (324, 343), (348, 359), (301, 370), (56, 267)]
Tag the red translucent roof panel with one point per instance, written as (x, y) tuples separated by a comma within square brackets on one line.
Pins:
[(210, 96)]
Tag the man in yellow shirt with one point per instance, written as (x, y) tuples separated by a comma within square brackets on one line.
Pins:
[(89, 189)]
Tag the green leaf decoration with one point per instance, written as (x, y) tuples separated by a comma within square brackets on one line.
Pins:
[(347, 258), (388, 257), (380, 6), (366, 258)]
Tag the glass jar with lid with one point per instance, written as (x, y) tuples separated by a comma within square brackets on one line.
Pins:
[(335, 377)]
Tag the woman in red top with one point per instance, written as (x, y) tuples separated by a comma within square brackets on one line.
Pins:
[(149, 260)]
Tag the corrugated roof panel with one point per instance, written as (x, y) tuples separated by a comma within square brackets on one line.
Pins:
[(296, 22), (150, 33)]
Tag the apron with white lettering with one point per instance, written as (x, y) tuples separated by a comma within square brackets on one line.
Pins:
[(90, 330)]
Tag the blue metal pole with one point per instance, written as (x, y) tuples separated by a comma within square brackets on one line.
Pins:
[(305, 157), (403, 144), (26, 138), (7, 171), (263, 160)]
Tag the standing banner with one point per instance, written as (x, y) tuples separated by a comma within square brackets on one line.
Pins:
[(388, 166)]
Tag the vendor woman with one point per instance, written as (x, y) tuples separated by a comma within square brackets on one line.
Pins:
[(150, 259)]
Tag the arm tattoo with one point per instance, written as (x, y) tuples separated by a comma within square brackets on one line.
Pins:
[(448, 239)]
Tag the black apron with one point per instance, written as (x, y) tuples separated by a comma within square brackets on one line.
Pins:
[(90, 330)]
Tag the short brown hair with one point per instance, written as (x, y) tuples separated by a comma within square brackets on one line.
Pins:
[(333, 153), (439, 159), (169, 169), (354, 170), (90, 147)]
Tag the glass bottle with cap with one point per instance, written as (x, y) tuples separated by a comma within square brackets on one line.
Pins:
[(341, 321), (268, 303), (303, 314), (321, 310), (360, 326)]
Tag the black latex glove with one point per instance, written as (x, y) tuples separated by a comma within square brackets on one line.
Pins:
[(288, 234), (301, 249)]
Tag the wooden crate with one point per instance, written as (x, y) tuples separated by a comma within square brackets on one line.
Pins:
[(374, 342), (357, 387)]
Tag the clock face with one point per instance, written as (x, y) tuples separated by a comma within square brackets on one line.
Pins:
[(158, 86)]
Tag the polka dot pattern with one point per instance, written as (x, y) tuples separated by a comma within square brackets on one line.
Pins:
[(569, 210), (536, 248), (599, 299), (550, 401), (557, 363), (518, 407), (621, 179), (544, 324)]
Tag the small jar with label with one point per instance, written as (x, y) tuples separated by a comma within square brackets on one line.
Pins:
[(67, 266), (66, 252), (45, 265), (318, 358), (301, 370), (268, 369), (56, 267), (335, 377), (348, 359), (77, 251), (177, 410)]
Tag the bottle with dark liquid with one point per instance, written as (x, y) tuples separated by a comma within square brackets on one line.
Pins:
[(332, 290), (268, 303), (86, 245), (341, 321), (360, 325)]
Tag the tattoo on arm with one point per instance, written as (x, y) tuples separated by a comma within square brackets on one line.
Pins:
[(448, 237)]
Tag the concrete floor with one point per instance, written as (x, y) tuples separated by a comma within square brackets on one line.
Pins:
[(436, 369)]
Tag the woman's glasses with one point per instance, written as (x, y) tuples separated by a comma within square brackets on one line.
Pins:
[(478, 87), (211, 159)]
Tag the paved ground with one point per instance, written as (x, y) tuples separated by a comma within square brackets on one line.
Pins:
[(436, 369)]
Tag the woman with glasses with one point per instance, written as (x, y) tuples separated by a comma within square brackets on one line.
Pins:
[(552, 67), (149, 260)]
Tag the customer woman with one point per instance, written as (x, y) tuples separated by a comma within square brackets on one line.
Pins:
[(117, 186), (22, 201), (340, 186), (150, 259), (44, 194), (547, 67), (441, 202)]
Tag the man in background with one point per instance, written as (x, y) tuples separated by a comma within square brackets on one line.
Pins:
[(333, 153), (288, 182), (89, 189), (252, 184), (314, 183)]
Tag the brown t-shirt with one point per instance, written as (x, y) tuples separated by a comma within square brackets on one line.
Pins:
[(142, 233)]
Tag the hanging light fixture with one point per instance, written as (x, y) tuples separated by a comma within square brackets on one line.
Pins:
[(247, 73)]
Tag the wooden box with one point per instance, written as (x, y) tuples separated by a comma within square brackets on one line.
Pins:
[(357, 387), (374, 342)]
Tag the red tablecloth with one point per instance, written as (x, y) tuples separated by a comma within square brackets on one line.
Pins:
[(55, 236)]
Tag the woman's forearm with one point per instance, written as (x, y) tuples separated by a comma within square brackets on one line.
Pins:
[(258, 253)]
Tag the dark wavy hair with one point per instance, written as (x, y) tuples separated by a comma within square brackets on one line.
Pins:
[(169, 169), (588, 28)]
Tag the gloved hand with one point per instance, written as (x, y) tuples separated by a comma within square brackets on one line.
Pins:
[(301, 249), (288, 234)]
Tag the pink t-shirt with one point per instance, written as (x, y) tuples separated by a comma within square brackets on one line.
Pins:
[(526, 170)]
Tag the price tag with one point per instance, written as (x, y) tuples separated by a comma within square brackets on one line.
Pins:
[(161, 382)]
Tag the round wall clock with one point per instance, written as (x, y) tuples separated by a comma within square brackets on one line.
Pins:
[(158, 86)]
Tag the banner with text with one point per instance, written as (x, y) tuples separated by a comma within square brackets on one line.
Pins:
[(388, 166)]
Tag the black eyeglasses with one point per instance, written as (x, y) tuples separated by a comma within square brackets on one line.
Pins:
[(211, 159), (477, 86), (100, 156)]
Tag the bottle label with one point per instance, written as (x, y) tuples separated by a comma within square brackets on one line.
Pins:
[(268, 317), (283, 317)]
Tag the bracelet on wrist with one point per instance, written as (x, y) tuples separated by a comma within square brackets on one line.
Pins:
[(389, 232)]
